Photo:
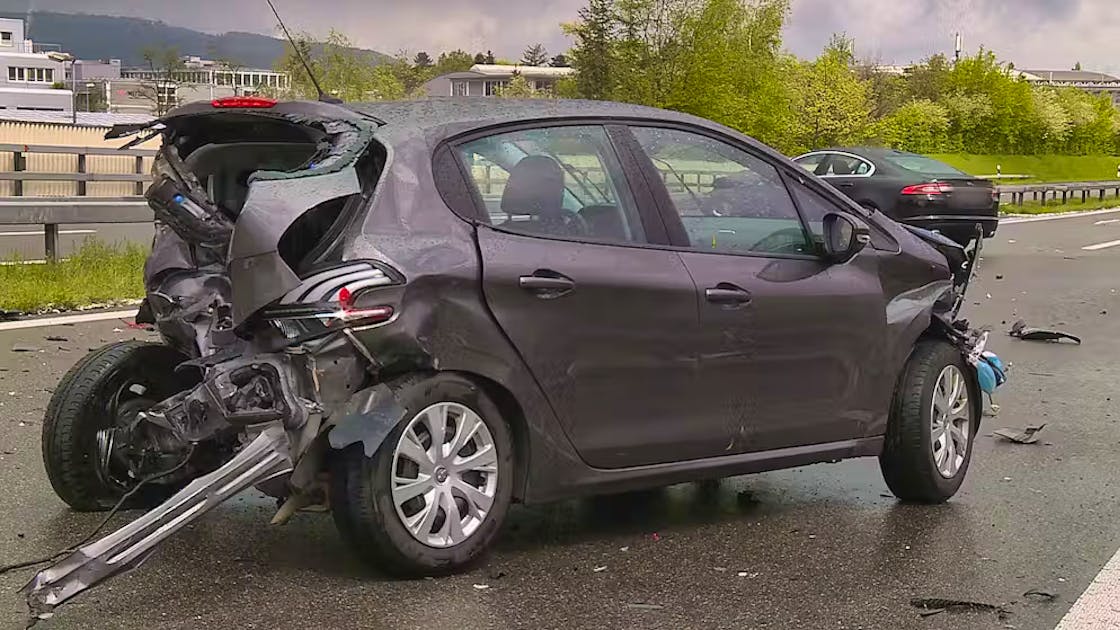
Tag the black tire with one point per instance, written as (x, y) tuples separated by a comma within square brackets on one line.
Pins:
[(907, 461), (361, 491), (84, 403)]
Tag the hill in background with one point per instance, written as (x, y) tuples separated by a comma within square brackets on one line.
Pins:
[(109, 37)]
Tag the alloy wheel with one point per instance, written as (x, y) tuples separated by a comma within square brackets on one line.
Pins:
[(951, 425), (445, 474)]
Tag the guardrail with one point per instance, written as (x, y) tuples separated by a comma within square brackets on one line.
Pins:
[(82, 208), (1068, 191)]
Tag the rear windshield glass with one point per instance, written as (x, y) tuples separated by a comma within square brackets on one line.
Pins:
[(924, 165)]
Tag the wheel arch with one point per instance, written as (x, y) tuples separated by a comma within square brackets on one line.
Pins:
[(373, 413)]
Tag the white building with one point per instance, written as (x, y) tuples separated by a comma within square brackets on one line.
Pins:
[(490, 79), (27, 78)]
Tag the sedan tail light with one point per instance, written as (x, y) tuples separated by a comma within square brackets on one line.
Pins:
[(934, 188)]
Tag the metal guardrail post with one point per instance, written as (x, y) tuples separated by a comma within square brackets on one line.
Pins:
[(81, 169), (19, 163), (139, 190), (50, 241)]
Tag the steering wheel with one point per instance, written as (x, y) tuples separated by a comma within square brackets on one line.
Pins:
[(785, 241), (569, 222)]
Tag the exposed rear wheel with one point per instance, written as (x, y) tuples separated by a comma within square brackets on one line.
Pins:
[(932, 426), (104, 391), (432, 498)]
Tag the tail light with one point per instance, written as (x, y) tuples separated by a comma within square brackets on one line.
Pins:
[(933, 188), (242, 102)]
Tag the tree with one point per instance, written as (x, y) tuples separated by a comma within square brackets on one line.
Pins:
[(490, 57), (559, 61), (422, 60), (1077, 66), (519, 87), (535, 55), (834, 104), (921, 126), (160, 88), (342, 71), (593, 54), (480, 58), (453, 61)]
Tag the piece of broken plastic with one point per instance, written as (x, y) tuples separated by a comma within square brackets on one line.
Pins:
[(1021, 331), (1028, 435)]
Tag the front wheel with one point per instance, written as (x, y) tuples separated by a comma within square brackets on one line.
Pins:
[(932, 426), (434, 495)]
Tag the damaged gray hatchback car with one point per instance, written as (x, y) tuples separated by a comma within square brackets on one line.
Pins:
[(413, 314)]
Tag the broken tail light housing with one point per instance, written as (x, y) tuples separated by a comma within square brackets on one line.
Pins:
[(243, 102), (931, 189), (307, 322)]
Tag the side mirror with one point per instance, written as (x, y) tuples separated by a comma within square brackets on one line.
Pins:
[(844, 237)]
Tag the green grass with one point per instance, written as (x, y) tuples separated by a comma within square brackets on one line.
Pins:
[(1041, 168), (96, 274)]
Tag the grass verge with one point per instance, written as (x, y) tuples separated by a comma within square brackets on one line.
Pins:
[(1041, 168), (97, 274)]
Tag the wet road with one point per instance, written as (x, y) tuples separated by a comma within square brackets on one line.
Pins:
[(818, 547)]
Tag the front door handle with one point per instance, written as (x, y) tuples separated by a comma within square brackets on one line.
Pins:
[(547, 284), (847, 184), (727, 295)]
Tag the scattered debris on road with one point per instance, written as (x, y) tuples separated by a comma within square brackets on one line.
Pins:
[(20, 347), (935, 605), (1021, 331), (1039, 595), (645, 606), (481, 587), (599, 569), (1028, 435), (55, 338)]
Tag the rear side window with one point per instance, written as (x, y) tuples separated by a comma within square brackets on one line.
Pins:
[(843, 165), (557, 181), (924, 165), (728, 200)]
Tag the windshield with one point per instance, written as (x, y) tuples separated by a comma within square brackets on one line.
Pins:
[(924, 165)]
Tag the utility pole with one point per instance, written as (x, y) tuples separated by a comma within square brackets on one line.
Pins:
[(959, 46)]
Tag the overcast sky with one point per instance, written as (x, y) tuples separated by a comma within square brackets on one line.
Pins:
[(1044, 34)]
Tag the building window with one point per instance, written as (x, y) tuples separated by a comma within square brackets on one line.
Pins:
[(492, 88), (5, 38), (460, 88), (31, 75)]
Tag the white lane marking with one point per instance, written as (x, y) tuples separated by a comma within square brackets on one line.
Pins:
[(1093, 248), (40, 233), (67, 319), (1107, 221), (1098, 608), (1055, 217)]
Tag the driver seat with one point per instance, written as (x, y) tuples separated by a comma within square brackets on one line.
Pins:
[(536, 188)]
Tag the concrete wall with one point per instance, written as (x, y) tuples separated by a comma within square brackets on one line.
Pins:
[(15, 27), (38, 98), (68, 135)]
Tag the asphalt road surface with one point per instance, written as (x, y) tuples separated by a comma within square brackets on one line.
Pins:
[(26, 241), (818, 547)]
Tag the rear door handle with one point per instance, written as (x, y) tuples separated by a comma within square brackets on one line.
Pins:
[(847, 184), (727, 295), (547, 286)]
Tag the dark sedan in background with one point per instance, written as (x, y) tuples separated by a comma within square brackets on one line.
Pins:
[(910, 188)]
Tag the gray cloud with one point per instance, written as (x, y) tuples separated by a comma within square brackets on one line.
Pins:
[(1032, 33)]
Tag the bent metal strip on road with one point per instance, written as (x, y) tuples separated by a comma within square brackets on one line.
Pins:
[(1093, 248)]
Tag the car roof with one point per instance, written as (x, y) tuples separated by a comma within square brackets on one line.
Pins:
[(868, 152), (465, 112)]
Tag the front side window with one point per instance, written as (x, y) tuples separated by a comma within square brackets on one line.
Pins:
[(557, 181), (728, 200)]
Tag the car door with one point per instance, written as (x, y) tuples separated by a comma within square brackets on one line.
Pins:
[(790, 346), (599, 316), (851, 175)]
